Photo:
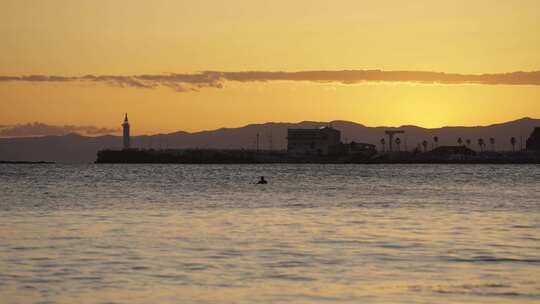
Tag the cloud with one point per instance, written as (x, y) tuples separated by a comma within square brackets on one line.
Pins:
[(41, 129), (217, 79), (362, 76)]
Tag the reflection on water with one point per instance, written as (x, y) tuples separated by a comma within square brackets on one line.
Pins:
[(315, 233)]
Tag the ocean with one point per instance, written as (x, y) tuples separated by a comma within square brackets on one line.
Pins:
[(314, 234)]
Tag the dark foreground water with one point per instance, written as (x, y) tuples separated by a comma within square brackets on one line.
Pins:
[(314, 234)]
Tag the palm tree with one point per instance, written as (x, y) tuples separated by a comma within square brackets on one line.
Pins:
[(492, 142), (481, 144), (468, 142), (383, 142), (513, 142), (398, 142), (436, 141), (459, 141), (424, 144)]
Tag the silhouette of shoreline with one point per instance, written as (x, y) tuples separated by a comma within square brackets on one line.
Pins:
[(25, 162), (73, 148), (214, 156)]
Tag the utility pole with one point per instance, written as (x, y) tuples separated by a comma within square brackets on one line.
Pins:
[(257, 141)]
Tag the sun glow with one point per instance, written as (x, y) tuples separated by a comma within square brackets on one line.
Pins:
[(70, 38)]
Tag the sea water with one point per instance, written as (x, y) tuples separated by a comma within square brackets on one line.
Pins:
[(313, 234)]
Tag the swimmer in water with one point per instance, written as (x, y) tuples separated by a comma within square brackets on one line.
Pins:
[(262, 181)]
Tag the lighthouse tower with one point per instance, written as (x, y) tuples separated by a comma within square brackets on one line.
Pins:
[(125, 128)]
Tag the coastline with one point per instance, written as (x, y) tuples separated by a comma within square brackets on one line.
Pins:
[(209, 156), (21, 162)]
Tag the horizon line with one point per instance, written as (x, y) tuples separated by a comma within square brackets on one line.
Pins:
[(115, 133)]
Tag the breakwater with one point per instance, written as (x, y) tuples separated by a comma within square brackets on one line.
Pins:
[(214, 156)]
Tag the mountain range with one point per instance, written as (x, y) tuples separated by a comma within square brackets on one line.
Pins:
[(75, 148)]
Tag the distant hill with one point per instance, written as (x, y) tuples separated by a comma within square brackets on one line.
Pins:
[(74, 148)]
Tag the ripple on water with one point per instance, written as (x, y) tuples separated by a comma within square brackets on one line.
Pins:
[(289, 277), (140, 268), (354, 234), (24, 248), (172, 277), (492, 259), (288, 264), (195, 266), (483, 291)]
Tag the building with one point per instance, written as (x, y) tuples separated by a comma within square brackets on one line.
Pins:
[(322, 141), (125, 138), (533, 142)]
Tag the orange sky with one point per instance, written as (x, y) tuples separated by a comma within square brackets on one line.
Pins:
[(76, 38)]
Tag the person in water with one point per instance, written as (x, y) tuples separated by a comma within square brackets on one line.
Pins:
[(262, 181)]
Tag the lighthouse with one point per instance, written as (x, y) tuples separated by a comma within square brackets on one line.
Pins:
[(125, 128)]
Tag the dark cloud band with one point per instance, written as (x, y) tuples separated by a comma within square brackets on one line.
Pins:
[(216, 79), (41, 129)]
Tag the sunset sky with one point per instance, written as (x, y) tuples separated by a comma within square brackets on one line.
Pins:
[(151, 59)]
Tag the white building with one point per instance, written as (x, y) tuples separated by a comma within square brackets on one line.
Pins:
[(322, 141)]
